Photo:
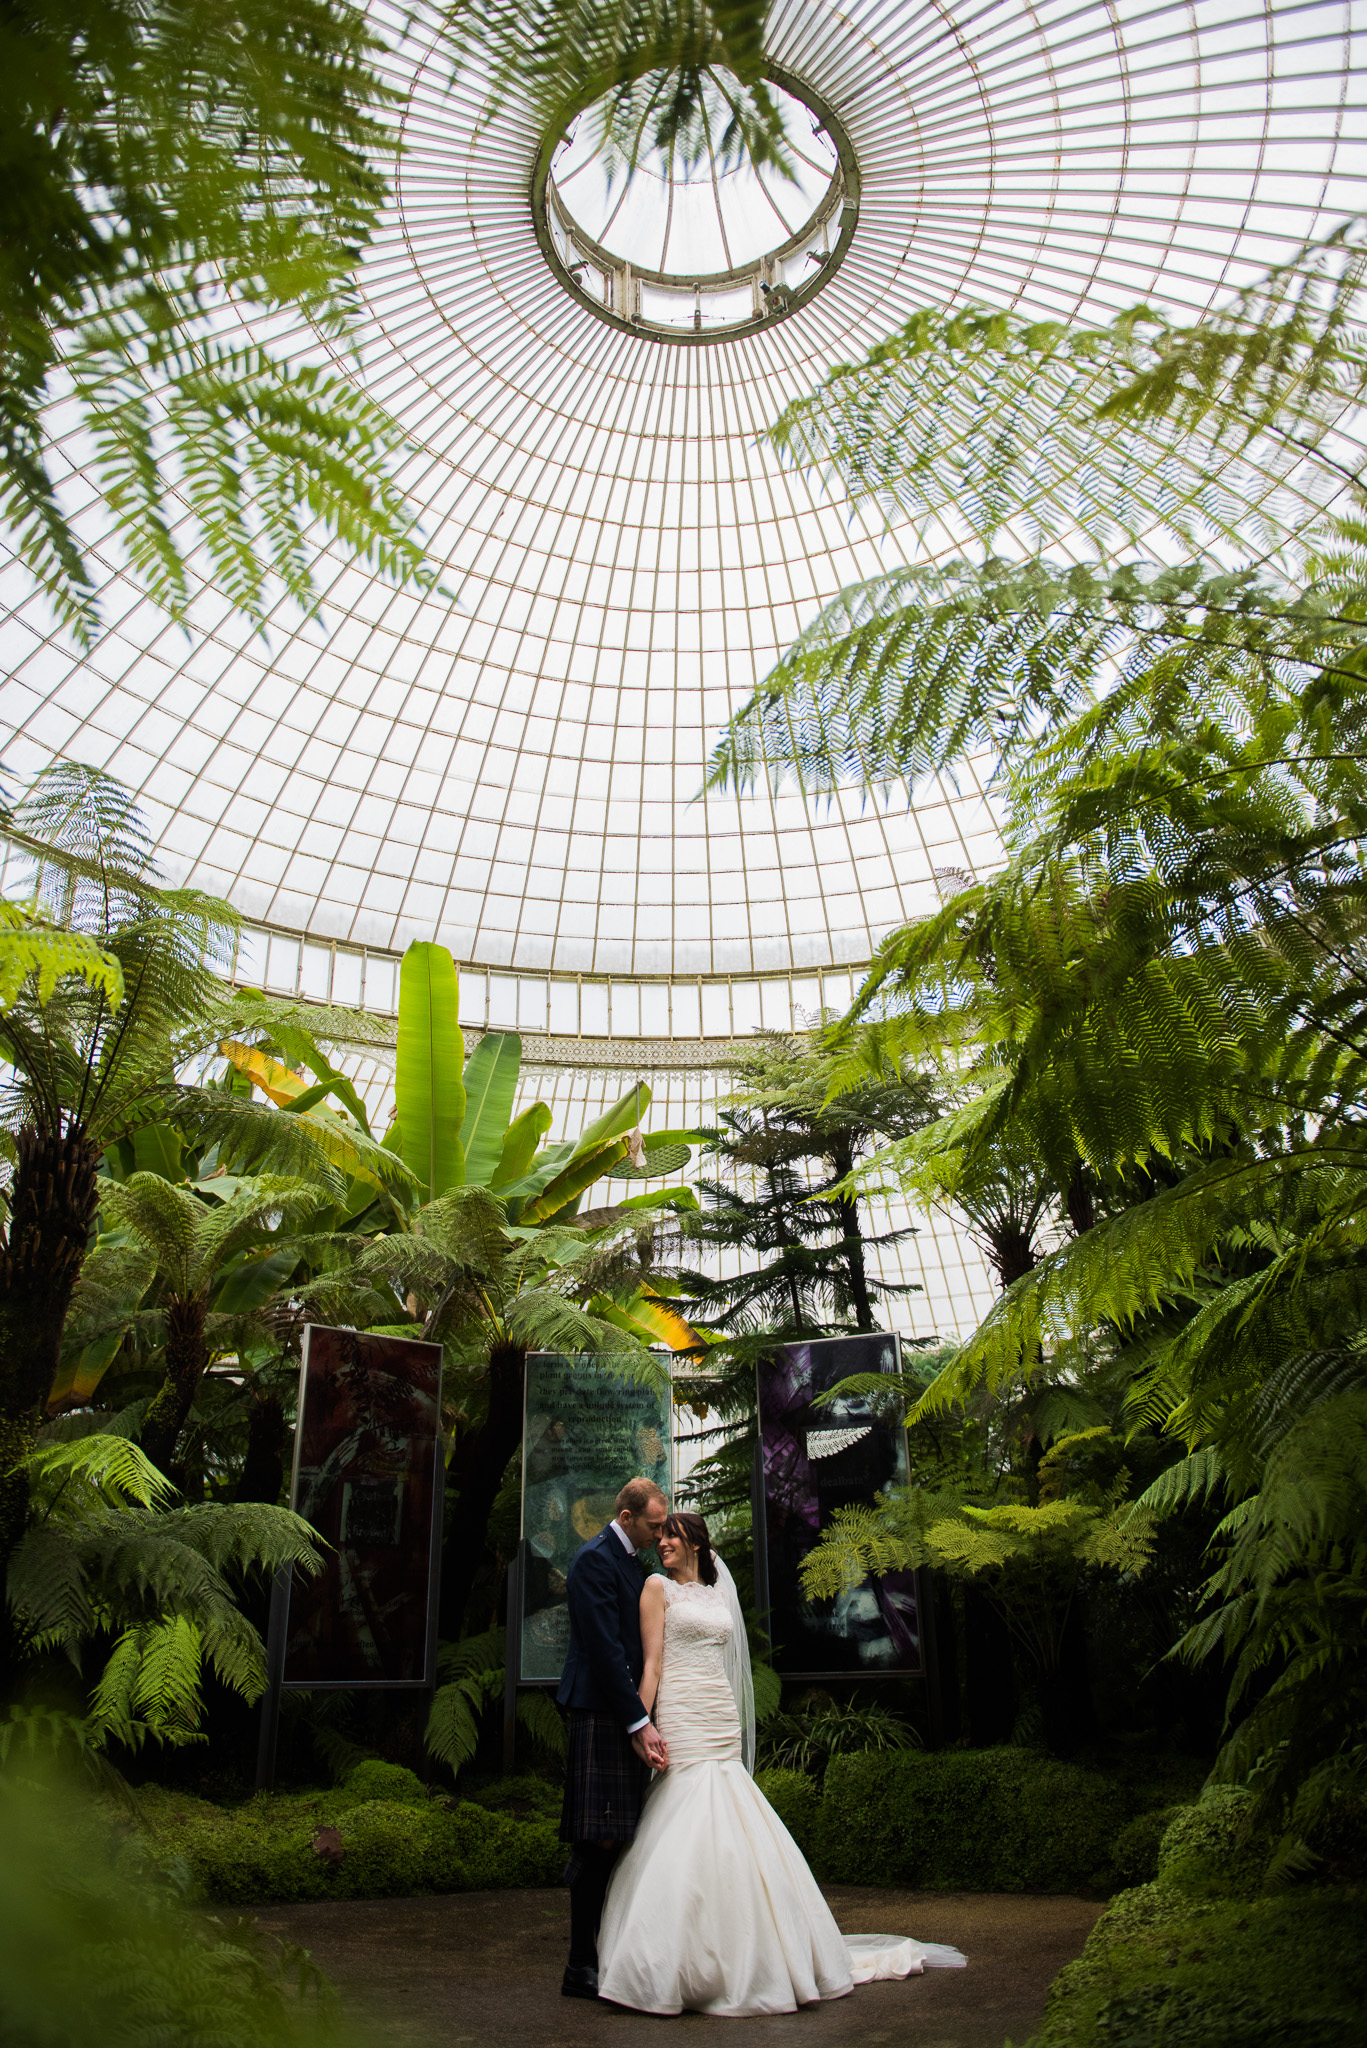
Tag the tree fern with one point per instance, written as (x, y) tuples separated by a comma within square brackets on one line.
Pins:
[(106, 1551), (204, 161)]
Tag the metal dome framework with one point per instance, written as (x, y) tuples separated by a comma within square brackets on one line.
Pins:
[(519, 773)]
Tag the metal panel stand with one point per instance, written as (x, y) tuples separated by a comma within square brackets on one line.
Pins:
[(426, 1761), (277, 1629), (512, 1659)]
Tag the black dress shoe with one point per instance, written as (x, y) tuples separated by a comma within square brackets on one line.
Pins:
[(579, 1982)]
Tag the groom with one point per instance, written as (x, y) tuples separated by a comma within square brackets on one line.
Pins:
[(612, 1743)]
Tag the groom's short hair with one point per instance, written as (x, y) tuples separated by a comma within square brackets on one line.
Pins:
[(637, 1495)]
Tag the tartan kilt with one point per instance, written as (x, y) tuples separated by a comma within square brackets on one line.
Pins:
[(605, 1780)]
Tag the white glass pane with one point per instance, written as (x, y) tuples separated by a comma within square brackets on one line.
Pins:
[(346, 979), (687, 1014), (531, 1004), (565, 1008), (381, 991), (716, 1010), (626, 1010), (282, 964), (503, 1002), (315, 973), (745, 1010)]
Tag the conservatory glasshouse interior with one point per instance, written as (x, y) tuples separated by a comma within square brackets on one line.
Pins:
[(683, 1016)]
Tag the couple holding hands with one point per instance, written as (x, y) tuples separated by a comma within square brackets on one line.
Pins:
[(712, 1907)]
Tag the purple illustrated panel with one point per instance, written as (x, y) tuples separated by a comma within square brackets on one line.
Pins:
[(366, 1465), (815, 1460)]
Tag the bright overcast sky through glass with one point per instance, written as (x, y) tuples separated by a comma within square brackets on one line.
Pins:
[(517, 772), (688, 217)]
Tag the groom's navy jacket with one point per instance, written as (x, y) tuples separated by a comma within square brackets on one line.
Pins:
[(604, 1661)]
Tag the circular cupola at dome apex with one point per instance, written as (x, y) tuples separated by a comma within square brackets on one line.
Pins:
[(703, 246)]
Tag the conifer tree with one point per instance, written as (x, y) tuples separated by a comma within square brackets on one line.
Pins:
[(788, 1242)]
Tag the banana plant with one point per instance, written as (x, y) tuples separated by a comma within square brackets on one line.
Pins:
[(453, 1120)]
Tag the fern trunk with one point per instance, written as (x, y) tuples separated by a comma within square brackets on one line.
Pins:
[(474, 1477), (263, 1468), (186, 1357), (52, 1209)]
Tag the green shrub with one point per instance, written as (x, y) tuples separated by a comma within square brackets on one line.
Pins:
[(1162, 1969), (1169, 2014), (1134, 1852), (264, 1849), (998, 1820), (386, 1850), (1212, 1850), (530, 1797), (796, 1799), (474, 1850), (390, 1782)]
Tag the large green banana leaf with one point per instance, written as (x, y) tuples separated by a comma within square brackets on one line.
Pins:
[(252, 1279), (429, 1085), (624, 1116), (490, 1085), (547, 1166), (520, 1141), (570, 1183)]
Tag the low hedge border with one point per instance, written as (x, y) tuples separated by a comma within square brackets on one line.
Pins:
[(999, 1820), (379, 1835)]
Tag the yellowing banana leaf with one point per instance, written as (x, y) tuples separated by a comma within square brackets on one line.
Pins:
[(343, 1143), (348, 1147), (651, 1320), (429, 1085), (275, 1080), (330, 1082), (77, 1377), (490, 1085)]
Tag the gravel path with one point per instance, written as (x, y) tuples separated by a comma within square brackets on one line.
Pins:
[(484, 1967)]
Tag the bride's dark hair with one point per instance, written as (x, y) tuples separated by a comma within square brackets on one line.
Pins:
[(692, 1530)]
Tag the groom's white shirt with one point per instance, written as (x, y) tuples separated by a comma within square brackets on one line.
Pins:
[(620, 1533)]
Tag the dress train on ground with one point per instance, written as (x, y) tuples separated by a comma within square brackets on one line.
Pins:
[(713, 1907)]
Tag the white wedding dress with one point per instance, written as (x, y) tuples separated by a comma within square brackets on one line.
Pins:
[(713, 1908)]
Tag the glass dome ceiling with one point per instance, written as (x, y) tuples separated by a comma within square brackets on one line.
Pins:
[(687, 218), (518, 772)]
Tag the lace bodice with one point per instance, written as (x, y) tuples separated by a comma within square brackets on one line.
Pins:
[(696, 1711), (697, 1626)]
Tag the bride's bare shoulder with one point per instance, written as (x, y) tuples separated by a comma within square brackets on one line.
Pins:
[(653, 1591)]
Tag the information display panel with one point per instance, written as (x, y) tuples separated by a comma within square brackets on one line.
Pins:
[(586, 1430), (815, 1460), (367, 1476)]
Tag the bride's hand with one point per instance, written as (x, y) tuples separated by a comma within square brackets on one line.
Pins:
[(649, 1745)]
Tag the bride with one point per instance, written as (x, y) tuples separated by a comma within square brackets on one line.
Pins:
[(713, 1908)]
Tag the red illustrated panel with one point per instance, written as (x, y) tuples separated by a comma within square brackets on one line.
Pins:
[(366, 1465)]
